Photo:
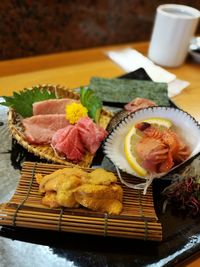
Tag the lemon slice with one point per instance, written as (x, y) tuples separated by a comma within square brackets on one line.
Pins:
[(132, 138), (160, 122)]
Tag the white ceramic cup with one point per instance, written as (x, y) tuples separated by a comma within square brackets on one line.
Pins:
[(173, 29)]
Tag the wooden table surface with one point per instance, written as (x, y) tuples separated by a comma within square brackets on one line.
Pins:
[(75, 68)]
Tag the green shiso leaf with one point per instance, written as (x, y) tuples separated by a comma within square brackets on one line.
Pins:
[(91, 102), (125, 90), (22, 101)]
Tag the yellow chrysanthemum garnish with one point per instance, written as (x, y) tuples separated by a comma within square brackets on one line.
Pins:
[(75, 111)]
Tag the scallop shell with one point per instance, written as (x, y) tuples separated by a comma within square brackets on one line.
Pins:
[(184, 124)]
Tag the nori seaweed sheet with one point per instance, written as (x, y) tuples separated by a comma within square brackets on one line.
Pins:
[(125, 90)]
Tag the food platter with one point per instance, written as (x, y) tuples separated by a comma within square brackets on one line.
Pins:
[(180, 235)]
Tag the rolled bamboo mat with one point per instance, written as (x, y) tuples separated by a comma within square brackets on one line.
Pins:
[(137, 220)]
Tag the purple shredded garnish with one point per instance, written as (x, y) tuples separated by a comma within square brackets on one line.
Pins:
[(185, 193)]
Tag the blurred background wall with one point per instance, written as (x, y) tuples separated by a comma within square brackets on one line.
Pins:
[(31, 27)]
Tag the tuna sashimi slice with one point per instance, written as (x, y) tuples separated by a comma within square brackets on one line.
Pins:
[(67, 141), (61, 135), (39, 129), (52, 106), (74, 141), (91, 134), (139, 103)]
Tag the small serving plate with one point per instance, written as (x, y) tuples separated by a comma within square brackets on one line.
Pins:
[(184, 125)]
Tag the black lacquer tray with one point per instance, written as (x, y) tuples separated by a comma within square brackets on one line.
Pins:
[(181, 235)]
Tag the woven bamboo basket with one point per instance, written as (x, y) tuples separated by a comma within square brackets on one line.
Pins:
[(137, 220), (46, 151)]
